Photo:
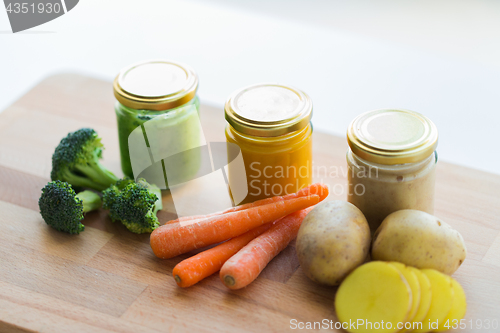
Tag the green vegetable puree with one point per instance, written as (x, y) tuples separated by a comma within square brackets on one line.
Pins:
[(177, 131)]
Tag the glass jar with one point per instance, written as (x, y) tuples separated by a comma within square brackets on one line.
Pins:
[(271, 125), (391, 163), (165, 93)]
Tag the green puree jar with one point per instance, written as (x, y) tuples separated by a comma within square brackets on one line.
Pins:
[(151, 89)]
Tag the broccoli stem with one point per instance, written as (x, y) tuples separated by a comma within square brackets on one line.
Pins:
[(91, 201), (100, 176), (158, 203), (79, 181)]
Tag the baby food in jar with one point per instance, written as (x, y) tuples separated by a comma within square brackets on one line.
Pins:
[(391, 163), (271, 124), (163, 92)]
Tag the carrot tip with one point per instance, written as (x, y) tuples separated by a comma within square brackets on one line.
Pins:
[(177, 279), (229, 281)]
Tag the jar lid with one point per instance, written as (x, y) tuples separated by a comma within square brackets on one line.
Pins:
[(268, 109), (155, 85), (392, 136)]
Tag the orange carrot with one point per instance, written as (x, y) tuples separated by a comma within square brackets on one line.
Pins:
[(170, 240), (246, 265), (194, 269), (317, 188)]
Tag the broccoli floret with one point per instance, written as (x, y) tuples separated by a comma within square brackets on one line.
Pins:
[(76, 161), (134, 204), (63, 209), (112, 195)]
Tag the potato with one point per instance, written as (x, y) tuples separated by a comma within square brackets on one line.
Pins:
[(441, 302), (333, 239), (375, 292), (425, 296), (458, 308), (412, 280), (419, 239)]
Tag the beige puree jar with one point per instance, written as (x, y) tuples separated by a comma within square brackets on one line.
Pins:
[(391, 160)]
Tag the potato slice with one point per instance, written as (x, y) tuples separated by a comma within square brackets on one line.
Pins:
[(442, 299), (425, 296), (374, 292), (458, 308), (412, 280)]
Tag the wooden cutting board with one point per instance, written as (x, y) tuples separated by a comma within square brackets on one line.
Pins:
[(107, 279)]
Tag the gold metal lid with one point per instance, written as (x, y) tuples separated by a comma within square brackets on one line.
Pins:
[(268, 109), (392, 136), (155, 85)]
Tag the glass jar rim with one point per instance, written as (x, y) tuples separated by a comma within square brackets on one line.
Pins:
[(155, 101), (392, 136), (292, 121), (405, 167)]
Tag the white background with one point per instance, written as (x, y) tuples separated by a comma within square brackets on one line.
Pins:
[(440, 58)]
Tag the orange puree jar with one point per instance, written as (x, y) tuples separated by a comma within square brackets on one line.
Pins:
[(271, 124)]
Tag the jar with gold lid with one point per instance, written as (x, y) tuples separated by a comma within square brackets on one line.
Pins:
[(163, 91), (391, 160), (271, 124)]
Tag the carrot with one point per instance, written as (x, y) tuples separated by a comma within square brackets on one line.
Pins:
[(194, 269), (317, 188), (246, 265), (170, 240)]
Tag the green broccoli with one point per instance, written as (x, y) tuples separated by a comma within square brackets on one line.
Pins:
[(76, 161), (134, 204), (63, 209)]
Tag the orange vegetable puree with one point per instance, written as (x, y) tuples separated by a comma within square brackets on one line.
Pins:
[(271, 125), (274, 166)]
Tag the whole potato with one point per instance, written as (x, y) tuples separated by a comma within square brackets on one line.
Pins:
[(333, 239), (419, 239)]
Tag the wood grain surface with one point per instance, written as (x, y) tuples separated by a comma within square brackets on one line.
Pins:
[(107, 279)]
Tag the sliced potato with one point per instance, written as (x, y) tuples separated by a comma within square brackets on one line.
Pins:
[(412, 280), (442, 299), (425, 296), (458, 308), (374, 292)]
